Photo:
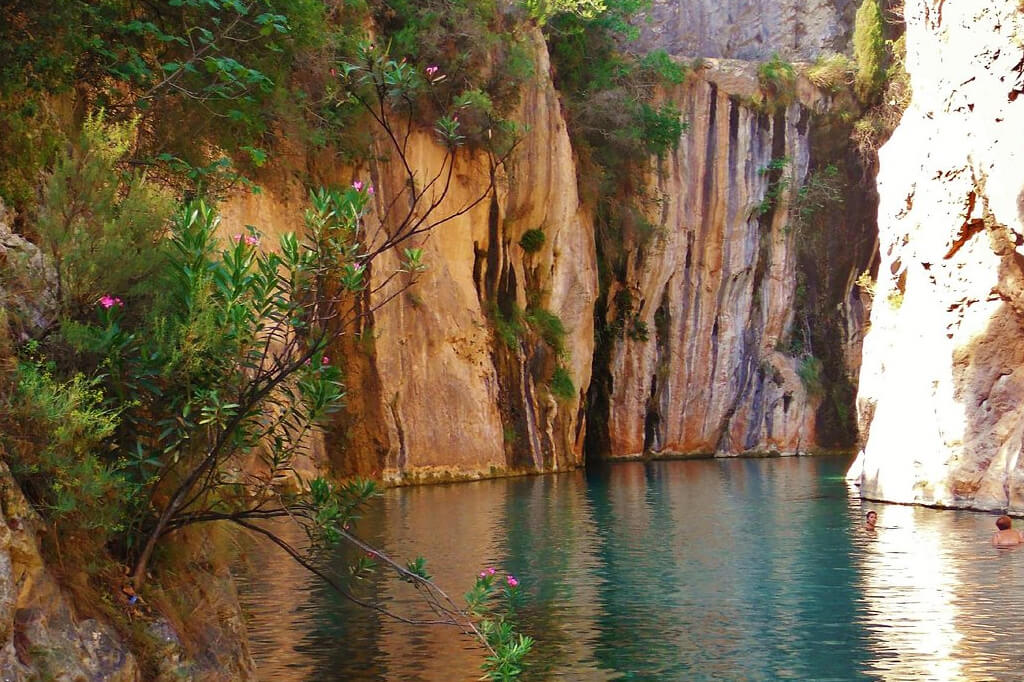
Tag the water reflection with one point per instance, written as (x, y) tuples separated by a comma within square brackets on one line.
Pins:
[(938, 599), (908, 584), (738, 569)]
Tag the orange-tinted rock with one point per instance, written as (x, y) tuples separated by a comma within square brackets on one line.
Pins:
[(715, 289)]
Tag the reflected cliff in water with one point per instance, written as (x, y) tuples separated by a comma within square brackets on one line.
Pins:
[(758, 569)]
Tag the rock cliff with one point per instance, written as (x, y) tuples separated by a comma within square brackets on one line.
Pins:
[(40, 635), (748, 29), (711, 296), (437, 392), (943, 372), (451, 379)]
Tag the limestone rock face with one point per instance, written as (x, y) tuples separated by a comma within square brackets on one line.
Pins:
[(25, 279), (40, 637), (748, 29), (438, 394), (942, 382), (714, 289)]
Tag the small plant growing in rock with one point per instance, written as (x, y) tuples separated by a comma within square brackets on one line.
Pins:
[(809, 371), (869, 50), (777, 79), (561, 384), (866, 283), (778, 183), (638, 330), (532, 240), (831, 72), (548, 326), (509, 328)]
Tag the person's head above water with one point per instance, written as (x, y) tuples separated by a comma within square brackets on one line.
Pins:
[(1004, 522), (870, 518)]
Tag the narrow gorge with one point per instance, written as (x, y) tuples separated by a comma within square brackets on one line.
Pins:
[(765, 282)]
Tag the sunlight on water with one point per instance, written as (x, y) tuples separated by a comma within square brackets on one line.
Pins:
[(687, 570)]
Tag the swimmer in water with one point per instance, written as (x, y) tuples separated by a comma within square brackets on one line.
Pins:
[(1006, 536), (870, 519)]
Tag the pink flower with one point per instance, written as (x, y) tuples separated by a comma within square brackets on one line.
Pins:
[(237, 237), (108, 301), (333, 72), (490, 571), (252, 240), (325, 361), (357, 185), (369, 190), (431, 70), (309, 361), (512, 582), (483, 574)]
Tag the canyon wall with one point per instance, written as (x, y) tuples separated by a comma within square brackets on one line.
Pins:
[(713, 288), (748, 29), (942, 380), (449, 397), (452, 378), (434, 392)]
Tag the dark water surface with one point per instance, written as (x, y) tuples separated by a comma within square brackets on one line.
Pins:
[(682, 570)]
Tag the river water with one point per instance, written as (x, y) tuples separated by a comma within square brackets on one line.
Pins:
[(739, 569)]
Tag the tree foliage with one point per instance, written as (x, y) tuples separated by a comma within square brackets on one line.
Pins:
[(186, 372)]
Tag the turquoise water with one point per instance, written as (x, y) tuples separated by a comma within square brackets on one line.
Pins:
[(754, 569)]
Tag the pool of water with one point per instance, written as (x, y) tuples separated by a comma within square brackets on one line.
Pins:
[(754, 569)]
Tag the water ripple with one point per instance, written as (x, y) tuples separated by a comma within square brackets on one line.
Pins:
[(689, 570)]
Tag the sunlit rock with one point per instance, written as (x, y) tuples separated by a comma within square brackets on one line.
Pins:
[(942, 379)]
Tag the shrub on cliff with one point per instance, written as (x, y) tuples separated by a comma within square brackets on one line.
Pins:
[(830, 72), (178, 391), (777, 80), (869, 50), (203, 75), (617, 121), (100, 228), (532, 241), (609, 91), (872, 130)]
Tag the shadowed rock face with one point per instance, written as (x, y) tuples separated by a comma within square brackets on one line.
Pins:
[(40, 636), (715, 286), (942, 383), (748, 29)]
